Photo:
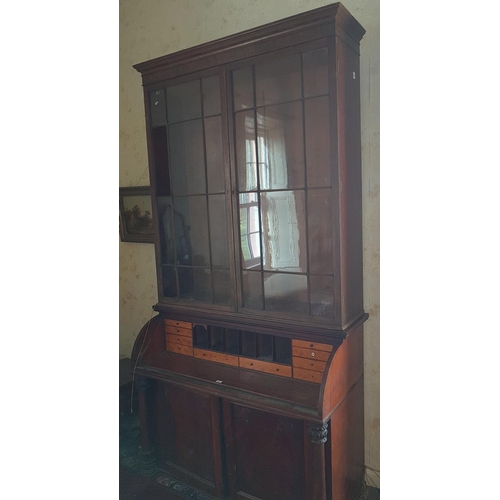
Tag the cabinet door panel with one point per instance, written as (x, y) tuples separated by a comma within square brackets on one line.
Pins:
[(265, 453), (188, 428)]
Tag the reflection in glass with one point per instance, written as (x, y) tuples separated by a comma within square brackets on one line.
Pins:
[(246, 155), (315, 68), (184, 101), (211, 95), (278, 81), (286, 292), (249, 230), (169, 281), (194, 212), (243, 88), (317, 142), (320, 241), (252, 290), (187, 164), (284, 240), (280, 146), (213, 148), (218, 230), (321, 295), (195, 284), (222, 287)]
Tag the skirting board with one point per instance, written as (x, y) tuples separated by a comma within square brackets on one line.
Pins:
[(372, 478)]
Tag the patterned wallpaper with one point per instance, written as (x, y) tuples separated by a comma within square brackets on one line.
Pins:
[(153, 28)]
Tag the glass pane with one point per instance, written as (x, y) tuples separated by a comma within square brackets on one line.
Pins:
[(167, 236), (243, 88), (169, 281), (278, 80), (284, 240), (315, 67), (195, 284), (249, 230), (317, 142), (187, 165), (246, 156), (222, 287), (253, 219), (281, 146), (194, 230), (252, 290), (159, 140), (319, 213), (218, 230), (248, 198), (286, 292), (184, 101), (321, 295), (158, 109), (211, 95), (213, 148)]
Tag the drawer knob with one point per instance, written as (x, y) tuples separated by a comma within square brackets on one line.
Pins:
[(313, 354)]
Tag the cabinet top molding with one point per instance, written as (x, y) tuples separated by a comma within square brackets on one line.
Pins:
[(330, 20)]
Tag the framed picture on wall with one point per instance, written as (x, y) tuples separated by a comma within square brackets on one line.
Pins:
[(136, 222)]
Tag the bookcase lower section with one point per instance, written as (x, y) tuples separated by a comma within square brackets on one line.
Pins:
[(233, 451), (236, 433)]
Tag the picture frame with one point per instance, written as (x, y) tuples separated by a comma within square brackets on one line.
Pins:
[(136, 219)]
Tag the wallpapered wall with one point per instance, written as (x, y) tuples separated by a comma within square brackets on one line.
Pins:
[(153, 28)]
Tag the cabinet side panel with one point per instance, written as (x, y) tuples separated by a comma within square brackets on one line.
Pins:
[(350, 187), (344, 371), (347, 446)]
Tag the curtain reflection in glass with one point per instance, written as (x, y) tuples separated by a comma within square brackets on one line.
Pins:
[(280, 146), (284, 238)]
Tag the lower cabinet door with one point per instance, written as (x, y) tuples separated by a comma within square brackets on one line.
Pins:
[(264, 454), (188, 437)]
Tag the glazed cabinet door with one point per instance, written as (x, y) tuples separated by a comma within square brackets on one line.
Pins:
[(189, 438), (186, 141)]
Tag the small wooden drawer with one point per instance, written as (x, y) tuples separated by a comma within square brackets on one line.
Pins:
[(175, 330), (180, 324), (309, 364), (310, 354), (312, 345), (217, 357), (179, 339), (265, 366), (180, 349), (308, 375)]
